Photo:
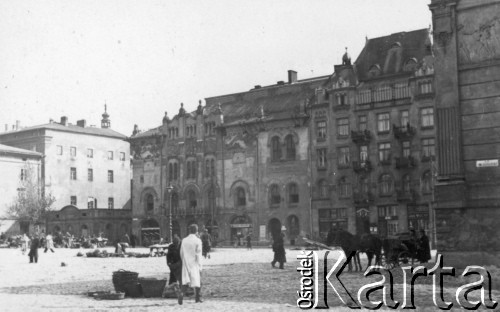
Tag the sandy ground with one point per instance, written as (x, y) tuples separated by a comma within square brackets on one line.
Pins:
[(233, 279)]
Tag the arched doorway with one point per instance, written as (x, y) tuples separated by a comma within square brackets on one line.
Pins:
[(240, 227), (85, 230), (293, 228), (274, 227), (150, 232)]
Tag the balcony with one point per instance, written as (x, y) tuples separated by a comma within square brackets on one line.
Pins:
[(407, 195), (386, 162), (404, 132), (405, 162), (362, 197), (361, 136), (362, 166)]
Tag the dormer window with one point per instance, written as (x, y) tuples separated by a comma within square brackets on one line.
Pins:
[(410, 65), (374, 71)]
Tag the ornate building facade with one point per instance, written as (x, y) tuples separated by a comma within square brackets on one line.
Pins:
[(467, 75), (373, 134)]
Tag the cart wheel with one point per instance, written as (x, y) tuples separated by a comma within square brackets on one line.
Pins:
[(386, 263), (404, 258)]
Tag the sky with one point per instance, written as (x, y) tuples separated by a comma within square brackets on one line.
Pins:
[(145, 57)]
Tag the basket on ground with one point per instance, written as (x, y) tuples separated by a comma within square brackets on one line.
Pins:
[(122, 277), (133, 289), (152, 287)]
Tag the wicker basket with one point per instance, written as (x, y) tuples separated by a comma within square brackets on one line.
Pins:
[(152, 287), (122, 277)]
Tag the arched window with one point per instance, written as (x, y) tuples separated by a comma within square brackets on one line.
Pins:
[(170, 172), (293, 193), (323, 189), (427, 182), (275, 149), (406, 183), (385, 184), (191, 169), (275, 199), (344, 188), (241, 199), (209, 167), (150, 203), (290, 147), (192, 202)]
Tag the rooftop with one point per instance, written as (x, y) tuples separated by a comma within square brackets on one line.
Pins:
[(107, 132), (5, 149)]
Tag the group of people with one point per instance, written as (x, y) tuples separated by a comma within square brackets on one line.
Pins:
[(35, 242)]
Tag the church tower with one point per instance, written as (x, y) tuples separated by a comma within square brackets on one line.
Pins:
[(105, 122)]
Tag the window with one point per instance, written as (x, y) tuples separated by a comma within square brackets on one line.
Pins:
[(387, 211), (323, 189), (406, 183), (427, 115), (341, 99), (241, 199), (110, 176), (363, 153), (173, 170), (22, 176), (344, 156), (384, 152), (191, 169), (364, 96), (405, 118), (343, 127), (90, 174), (362, 123), (72, 200), (72, 174), (110, 155), (427, 182), (111, 203), (122, 156), (384, 123), (321, 129), (321, 158), (392, 227), (401, 90), (91, 203), (385, 184), (90, 153), (406, 149), (290, 147), (209, 167), (72, 151), (428, 149), (149, 203), (364, 185), (344, 188), (425, 87), (275, 149), (293, 193), (275, 195), (59, 150)]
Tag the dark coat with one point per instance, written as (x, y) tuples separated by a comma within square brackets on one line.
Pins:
[(279, 250), (174, 263), (424, 250), (35, 244)]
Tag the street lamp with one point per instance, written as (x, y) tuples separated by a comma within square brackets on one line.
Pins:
[(169, 190)]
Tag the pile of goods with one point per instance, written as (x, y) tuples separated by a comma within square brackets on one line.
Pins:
[(106, 295)]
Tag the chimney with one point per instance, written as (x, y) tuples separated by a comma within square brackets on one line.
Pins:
[(51, 120), (257, 87), (281, 82), (81, 123), (292, 76), (18, 124), (64, 120)]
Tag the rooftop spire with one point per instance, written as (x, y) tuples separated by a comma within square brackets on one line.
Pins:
[(105, 122)]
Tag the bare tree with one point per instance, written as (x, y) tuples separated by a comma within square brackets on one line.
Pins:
[(32, 201)]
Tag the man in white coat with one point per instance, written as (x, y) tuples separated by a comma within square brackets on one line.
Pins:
[(191, 249)]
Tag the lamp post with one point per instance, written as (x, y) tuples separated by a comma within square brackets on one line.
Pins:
[(169, 190)]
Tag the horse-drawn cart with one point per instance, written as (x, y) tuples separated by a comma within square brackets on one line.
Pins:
[(399, 250)]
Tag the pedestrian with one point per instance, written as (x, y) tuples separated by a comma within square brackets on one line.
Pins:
[(249, 241), (133, 240), (191, 248), (25, 240), (49, 243), (174, 263), (206, 243), (279, 251), (35, 244), (424, 250)]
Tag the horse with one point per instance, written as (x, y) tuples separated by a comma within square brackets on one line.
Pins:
[(367, 243), (349, 244)]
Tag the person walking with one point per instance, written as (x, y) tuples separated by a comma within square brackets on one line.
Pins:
[(423, 248), (191, 248), (35, 244), (279, 251), (249, 241), (49, 243), (206, 243), (174, 263), (133, 240)]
